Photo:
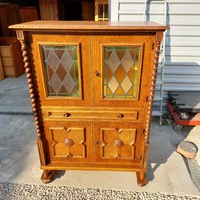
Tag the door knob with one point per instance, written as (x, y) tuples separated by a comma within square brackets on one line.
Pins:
[(68, 142), (118, 143)]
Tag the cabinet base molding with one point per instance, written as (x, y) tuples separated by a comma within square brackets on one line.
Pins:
[(47, 177), (92, 168)]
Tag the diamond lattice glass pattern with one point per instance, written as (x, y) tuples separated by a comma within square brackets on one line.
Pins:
[(121, 71), (61, 66)]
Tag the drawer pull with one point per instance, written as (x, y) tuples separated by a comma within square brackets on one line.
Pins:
[(67, 115), (118, 143), (120, 116), (68, 142)]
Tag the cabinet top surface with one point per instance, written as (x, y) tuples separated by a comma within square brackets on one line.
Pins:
[(88, 26)]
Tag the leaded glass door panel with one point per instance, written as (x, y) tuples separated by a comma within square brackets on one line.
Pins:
[(63, 70), (121, 71), (118, 65)]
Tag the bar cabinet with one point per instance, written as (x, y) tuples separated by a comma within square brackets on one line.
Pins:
[(91, 87)]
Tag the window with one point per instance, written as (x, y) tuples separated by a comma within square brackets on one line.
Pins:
[(101, 10)]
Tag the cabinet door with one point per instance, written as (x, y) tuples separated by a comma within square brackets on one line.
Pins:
[(62, 67), (68, 141), (118, 142), (121, 68)]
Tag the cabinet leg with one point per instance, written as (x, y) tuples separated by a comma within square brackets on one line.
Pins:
[(141, 178), (47, 176)]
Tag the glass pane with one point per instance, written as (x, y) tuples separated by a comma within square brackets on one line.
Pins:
[(61, 67), (121, 71)]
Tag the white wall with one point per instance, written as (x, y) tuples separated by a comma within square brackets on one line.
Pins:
[(182, 67)]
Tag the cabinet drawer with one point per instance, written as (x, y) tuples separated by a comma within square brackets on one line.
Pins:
[(9, 71), (5, 51), (68, 141), (93, 114), (7, 62)]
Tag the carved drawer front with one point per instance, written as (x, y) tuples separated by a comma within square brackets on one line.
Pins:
[(94, 114), (68, 141), (118, 142)]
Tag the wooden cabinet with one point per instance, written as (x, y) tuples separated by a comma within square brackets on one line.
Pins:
[(1, 70), (28, 14), (91, 87), (9, 14), (88, 11), (11, 58), (49, 9)]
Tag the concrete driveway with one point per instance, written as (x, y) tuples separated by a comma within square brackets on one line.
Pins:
[(19, 162)]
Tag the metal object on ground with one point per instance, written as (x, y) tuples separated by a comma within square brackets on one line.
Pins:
[(187, 149), (184, 108)]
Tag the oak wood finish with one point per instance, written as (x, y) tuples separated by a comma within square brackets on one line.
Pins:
[(90, 130)]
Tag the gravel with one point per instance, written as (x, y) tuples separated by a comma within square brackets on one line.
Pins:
[(10, 191)]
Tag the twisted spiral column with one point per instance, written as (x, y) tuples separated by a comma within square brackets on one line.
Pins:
[(153, 83), (29, 77), (32, 92)]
